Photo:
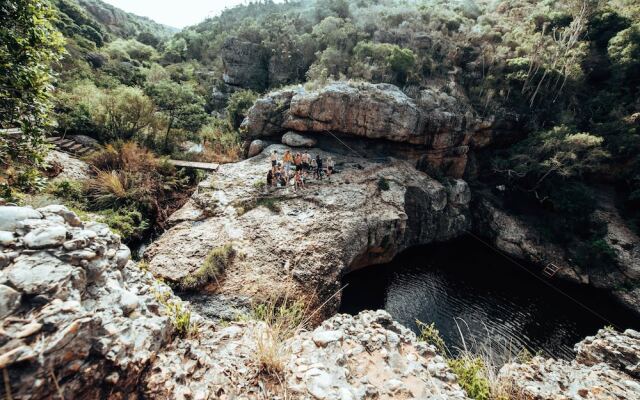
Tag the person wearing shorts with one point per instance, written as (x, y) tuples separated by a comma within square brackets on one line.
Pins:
[(330, 166), (274, 159)]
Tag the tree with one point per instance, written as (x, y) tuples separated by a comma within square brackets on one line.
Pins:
[(126, 111), (29, 45), (183, 107), (238, 105), (541, 163)]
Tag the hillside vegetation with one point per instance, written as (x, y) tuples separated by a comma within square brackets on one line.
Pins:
[(560, 78)]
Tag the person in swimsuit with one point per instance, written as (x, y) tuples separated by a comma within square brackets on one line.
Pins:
[(298, 180), (297, 160), (287, 160), (278, 175), (313, 166), (274, 159), (330, 165)]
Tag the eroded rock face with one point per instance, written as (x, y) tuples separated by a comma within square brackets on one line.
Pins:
[(619, 350), (606, 367), (442, 124), (361, 357), (305, 241), (73, 310), (244, 64), (518, 237)]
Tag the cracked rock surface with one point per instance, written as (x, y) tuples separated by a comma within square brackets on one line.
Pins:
[(78, 319), (302, 242)]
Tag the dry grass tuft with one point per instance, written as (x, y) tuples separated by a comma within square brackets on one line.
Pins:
[(217, 261), (282, 319)]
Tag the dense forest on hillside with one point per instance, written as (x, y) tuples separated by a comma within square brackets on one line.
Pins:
[(561, 77)]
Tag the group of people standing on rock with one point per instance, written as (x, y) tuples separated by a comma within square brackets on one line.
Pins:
[(294, 169)]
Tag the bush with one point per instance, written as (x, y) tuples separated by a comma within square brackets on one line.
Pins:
[(238, 105), (471, 373), (179, 314), (70, 190), (128, 223), (217, 261)]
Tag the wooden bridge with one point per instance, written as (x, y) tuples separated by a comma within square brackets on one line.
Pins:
[(195, 164)]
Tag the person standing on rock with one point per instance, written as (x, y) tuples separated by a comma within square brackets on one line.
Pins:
[(306, 161), (287, 159), (297, 160), (313, 166), (330, 165), (318, 172), (278, 175), (274, 160), (299, 182), (270, 178)]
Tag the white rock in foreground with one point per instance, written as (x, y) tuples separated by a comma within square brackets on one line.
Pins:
[(73, 309), (606, 367)]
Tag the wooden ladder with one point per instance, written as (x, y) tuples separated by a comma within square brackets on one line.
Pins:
[(550, 270)]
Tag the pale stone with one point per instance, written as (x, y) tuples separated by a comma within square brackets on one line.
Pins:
[(9, 300), (7, 238), (46, 237), (297, 140), (322, 338), (10, 216), (256, 147)]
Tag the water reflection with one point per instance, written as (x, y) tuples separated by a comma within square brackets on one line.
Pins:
[(471, 292)]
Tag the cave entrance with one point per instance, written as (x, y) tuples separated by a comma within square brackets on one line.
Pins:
[(463, 286)]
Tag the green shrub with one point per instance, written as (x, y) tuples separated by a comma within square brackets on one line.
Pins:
[(128, 223), (179, 314), (471, 372), (238, 105), (430, 334), (70, 190), (217, 261)]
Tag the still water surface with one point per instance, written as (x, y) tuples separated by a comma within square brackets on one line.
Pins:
[(463, 286)]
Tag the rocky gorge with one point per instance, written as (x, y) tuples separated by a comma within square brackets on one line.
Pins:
[(80, 320)]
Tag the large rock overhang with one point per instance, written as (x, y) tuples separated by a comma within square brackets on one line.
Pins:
[(440, 125)]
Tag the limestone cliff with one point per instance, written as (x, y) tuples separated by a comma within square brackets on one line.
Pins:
[(441, 125), (79, 320), (305, 241)]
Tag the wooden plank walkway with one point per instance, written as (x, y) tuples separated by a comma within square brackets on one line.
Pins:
[(70, 146), (196, 165)]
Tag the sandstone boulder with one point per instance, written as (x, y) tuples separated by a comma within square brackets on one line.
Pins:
[(10, 216), (9, 300), (440, 124), (293, 139), (256, 147), (361, 357), (619, 350)]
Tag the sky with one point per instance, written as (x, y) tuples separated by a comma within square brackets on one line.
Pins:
[(176, 13)]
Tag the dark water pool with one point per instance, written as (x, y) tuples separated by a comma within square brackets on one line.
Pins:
[(463, 286)]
